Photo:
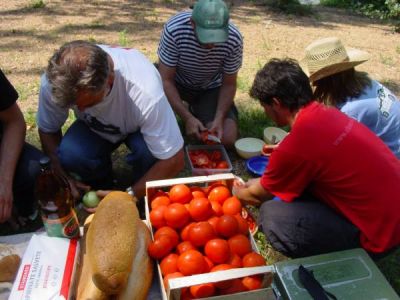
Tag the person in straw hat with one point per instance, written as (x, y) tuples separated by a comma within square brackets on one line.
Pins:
[(337, 180), (331, 69)]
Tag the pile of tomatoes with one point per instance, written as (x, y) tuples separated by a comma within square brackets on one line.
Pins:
[(207, 159), (200, 230)]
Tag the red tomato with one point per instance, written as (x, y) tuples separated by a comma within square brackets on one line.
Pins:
[(239, 244), (157, 216), (236, 287), (160, 247), (176, 215), (253, 259), (217, 208), (226, 283), (252, 282), (268, 149), (210, 264), (184, 246), (200, 159), (243, 226), (213, 221), (191, 262), (202, 290), (232, 206), (235, 261), (217, 250), (169, 264), (227, 226), (185, 232), (168, 231), (219, 194), (198, 193), (170, 276), (200, 209), (200, 233), (180, 193), (185, 294), (222, 165), (216, 155), (159, 201), (157, 194)]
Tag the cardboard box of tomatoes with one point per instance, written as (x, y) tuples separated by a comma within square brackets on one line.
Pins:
[(207, 159), (201, 242)]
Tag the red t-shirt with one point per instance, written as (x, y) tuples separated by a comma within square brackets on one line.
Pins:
[(344, 164)]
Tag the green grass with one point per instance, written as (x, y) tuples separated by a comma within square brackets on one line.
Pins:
[(26, 90), (243, 84), (123, 38), (336, 3), (252, 119), (37, 4), (390, 267)]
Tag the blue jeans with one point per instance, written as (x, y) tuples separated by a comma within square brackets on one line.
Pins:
[(88, 155), (27, 170)]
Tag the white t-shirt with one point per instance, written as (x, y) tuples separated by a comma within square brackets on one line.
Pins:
[(136, 101)]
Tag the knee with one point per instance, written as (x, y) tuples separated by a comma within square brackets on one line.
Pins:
[(230, 134), (68, 153), (267, 211)]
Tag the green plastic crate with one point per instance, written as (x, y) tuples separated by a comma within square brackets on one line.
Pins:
[(349, 274)]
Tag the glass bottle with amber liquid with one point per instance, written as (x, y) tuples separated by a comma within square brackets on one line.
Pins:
[(56, 203)]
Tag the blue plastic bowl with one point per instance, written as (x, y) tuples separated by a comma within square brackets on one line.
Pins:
[(257, 164)]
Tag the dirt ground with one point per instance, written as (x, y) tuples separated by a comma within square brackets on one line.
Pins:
[(30, 31), (29, 36)]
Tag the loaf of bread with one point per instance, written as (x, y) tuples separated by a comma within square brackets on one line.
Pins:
[(140, 279), (9, 267), (86, 289), (112, 242)]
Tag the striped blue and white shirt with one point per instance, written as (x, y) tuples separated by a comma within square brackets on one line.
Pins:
[(197, 67)]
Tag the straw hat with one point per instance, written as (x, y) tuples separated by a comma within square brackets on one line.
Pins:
[(328, 56)]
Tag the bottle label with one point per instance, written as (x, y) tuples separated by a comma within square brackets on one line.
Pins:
[(67, 226)]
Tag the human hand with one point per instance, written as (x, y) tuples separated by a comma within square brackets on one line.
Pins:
[(217, 127), (6, 202), (77, 187), (194, 128)]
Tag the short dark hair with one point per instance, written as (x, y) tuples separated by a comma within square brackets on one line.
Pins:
[(283, 79), (76, 66)]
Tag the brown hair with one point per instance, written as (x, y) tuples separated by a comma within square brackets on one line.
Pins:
[(77, 65), (335, 89)]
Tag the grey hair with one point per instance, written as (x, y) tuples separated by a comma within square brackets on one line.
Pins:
[(76, 66)]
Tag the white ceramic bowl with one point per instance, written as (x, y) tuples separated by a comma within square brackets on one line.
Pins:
[(248, 147), (271, 132)]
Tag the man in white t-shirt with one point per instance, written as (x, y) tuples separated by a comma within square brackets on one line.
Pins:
[(117, 97)]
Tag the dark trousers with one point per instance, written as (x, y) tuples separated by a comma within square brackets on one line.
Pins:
[(306, 227), (88, 155), (24, 180), (203, 103)]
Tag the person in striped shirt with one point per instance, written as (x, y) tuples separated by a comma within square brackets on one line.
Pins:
[(200, 54)]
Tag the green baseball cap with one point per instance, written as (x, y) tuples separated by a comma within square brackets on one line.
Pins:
[(211, 18)]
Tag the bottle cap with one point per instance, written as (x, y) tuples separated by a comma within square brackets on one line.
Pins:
[(44, 161)]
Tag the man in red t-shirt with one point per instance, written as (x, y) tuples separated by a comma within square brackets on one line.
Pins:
[(339, 183)]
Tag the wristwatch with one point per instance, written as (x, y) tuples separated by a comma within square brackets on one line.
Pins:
[(130, 191)]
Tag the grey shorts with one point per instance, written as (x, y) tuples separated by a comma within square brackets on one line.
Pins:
[(203, 103)]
